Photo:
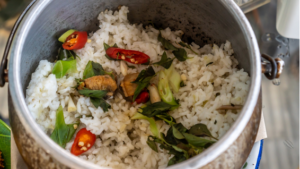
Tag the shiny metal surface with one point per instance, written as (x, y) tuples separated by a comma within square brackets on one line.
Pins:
[(217, 21), (280, 103)]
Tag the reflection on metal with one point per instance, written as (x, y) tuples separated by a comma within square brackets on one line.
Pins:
[(249, 5), (272, 68), (275, 45)]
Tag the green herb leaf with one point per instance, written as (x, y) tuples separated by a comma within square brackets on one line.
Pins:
[(182, 84), (61, 68), (93, 93), (131, 67), (166, 44), (180, 127), (201, 130), (106, 46), (145, 75), (209, 63), (177, 134), (143, 80), (197, 141), (152, 144), (155, 109), (62, 132), (100, 102), (176, 159), (187, 46), (153, 126), (180, 54), (165, 61), (93, 69), (245, 165), (64, 54), (5, 144), (167, 118)]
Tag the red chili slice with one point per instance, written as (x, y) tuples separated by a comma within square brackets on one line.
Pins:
[(130, 56), (76, 40), (143, 97), (84, 140)]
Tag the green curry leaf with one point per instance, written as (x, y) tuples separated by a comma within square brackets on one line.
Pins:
[(143, 80), (167, 118), (100, 102), (197, 141), (165, 61), (5, 144), (155, 109), (106, 46), (62, 132), (93, 93), (165, 43), (93, 69), (180, 54), (200, 129)]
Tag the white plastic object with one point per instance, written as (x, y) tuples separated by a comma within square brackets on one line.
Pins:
[(287, 20)]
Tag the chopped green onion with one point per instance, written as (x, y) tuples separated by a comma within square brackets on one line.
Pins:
[(64, 36), (164, 90), (174, 78)]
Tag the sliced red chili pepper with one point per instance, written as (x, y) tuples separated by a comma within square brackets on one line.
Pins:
[(84, 140), (130, 56), (143, 97), (76, 40)]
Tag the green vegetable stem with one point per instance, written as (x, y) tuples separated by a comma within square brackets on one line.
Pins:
[(164, 89)]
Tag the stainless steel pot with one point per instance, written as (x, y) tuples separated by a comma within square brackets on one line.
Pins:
[(204, 21)]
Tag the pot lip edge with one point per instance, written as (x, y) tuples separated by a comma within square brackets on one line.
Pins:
[(200, 160)]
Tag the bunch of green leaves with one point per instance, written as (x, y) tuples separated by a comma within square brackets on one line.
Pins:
[(179, 53), (181, 142), (5, 144), (62, 132), (165, 61), (96, 96), (106, 46), (143, 80), (157, 108), (66, 63)]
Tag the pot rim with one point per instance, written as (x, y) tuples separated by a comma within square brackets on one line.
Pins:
[(72, 161)]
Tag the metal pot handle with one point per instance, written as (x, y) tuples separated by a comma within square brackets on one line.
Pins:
[(3, 66), (273, 68)]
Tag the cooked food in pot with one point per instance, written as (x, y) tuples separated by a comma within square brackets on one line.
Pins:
[(183, 97)]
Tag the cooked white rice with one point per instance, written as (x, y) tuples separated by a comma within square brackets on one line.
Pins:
[(198, 102)]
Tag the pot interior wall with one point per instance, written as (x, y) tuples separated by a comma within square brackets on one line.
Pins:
[(203, 22)]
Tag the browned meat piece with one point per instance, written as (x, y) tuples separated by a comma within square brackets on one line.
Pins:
[(101, 82), (127, 86)]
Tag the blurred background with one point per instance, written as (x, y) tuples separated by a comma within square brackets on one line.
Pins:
[(280, 98)]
